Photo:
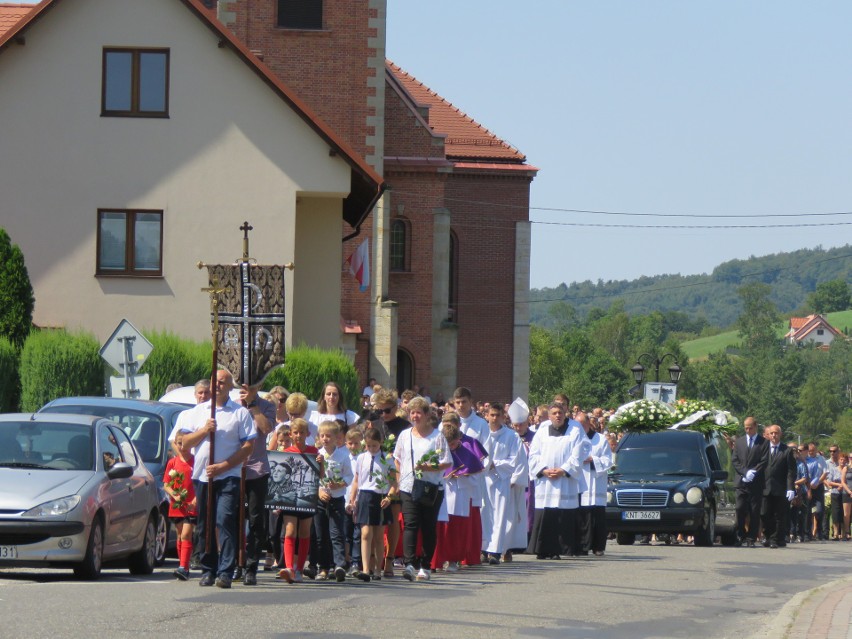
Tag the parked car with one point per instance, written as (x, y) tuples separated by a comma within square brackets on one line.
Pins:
[(148, 425), (74, 492), (672, 481)]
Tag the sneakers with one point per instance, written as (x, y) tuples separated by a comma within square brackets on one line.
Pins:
[(452, 566), (339, 574), (182, 573), (223, 581), (409, 573), (250, 578), (206, 580), (423, 575), (309, 572)]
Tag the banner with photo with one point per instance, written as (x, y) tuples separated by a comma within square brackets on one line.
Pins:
[(294, 480)]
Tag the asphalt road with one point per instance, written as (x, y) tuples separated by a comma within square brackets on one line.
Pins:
[(634, 591)]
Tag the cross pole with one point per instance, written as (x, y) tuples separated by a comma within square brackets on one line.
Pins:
[(245, 228), (214, 291)]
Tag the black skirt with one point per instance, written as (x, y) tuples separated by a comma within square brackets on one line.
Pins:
[(370, 511)]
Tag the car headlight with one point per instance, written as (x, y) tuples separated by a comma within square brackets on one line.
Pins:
[(694, 495), (678, 498), (55, 508), (608, 497)]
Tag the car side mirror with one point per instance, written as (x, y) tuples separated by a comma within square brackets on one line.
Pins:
[(121, 470), (719, 475)]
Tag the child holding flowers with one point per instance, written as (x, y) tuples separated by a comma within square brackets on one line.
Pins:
[(370, 498), (177, 482)]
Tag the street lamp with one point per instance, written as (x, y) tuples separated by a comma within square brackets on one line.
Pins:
[(675, 371)]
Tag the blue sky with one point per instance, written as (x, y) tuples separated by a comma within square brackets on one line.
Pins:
[(700, 108), (729, 107)]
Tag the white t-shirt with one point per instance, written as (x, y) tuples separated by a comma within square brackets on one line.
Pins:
[(350, 417), (234, 426), (422, 445)]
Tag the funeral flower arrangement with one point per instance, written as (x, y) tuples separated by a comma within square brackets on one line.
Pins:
[(644, 415), (179, 493), (702, 416)]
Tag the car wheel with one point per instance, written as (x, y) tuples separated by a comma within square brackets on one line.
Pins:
[(142, 561), (706, 535), (162, 537), (90, 567), (625, 539)]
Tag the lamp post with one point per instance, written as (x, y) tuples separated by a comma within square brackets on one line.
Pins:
[(638, 370)]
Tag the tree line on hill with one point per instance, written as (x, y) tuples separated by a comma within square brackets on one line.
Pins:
[(711, 299), (807, 391)]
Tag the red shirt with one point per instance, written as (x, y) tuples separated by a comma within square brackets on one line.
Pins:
[(177, 464)]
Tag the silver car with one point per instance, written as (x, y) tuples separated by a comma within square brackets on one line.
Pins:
[(74, 493)]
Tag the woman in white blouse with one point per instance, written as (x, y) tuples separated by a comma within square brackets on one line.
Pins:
[(411, 446), (332, 406)]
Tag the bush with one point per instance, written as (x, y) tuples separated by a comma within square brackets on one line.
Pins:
[(16, 293), (175, 359), (9, 382), (307, 369), (59, 364)]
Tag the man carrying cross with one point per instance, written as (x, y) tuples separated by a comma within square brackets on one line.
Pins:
[(234, 431)]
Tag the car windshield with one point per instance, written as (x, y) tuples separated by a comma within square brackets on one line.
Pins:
[(658, 461), (145, 430), (51, 445)]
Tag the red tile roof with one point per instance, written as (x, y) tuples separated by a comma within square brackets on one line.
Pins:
[(465, 138), (11, 13)]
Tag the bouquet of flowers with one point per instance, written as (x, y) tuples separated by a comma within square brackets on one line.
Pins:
[(176, 479), (702, 416), (379, 477), (332, 474), (644, 415), (389, 444), (431, 459)]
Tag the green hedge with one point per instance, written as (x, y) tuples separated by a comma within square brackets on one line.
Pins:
[(307, 369), (9, 384), (175, 359), (59, 364)]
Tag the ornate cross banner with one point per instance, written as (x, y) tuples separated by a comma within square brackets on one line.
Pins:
[(251, 319)]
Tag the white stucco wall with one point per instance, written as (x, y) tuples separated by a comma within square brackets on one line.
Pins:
[(231, 150)]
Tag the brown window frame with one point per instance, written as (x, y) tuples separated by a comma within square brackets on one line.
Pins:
[(134, 111), (300, 26), (406, 244), (129, 247)]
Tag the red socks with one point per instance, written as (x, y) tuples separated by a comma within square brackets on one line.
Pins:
[(304, 547), (184, 549), (289, 550)]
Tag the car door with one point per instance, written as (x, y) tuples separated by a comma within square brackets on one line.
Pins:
[(116, 496), (140, 486)]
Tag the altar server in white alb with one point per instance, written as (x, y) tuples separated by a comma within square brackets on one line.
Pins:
[(591, 520), (556, 459), (500, 513)]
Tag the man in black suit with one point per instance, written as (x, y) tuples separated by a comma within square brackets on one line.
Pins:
[(749, 460), (778, 490)]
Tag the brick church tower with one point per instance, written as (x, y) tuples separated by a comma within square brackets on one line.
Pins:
[(450, 242)]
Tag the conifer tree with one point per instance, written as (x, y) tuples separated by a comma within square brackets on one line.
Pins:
[(16, 293)]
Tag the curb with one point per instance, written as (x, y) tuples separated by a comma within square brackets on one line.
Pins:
[(801, 603)]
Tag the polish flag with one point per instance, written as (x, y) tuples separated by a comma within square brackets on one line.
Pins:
[(359, 265)]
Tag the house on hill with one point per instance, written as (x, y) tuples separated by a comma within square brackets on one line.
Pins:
[(813, 329)]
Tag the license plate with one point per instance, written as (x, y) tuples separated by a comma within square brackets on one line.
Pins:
[(8, 552), (641, 514)]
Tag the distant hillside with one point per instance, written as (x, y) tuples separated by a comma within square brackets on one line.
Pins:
[(702, 347), (713, 297)]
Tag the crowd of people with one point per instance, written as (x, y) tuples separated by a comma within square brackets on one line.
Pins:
[(407, 485), (420, 486)]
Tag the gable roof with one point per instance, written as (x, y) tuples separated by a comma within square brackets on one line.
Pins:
[(801, 327), (367, 186), (465, 138)]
